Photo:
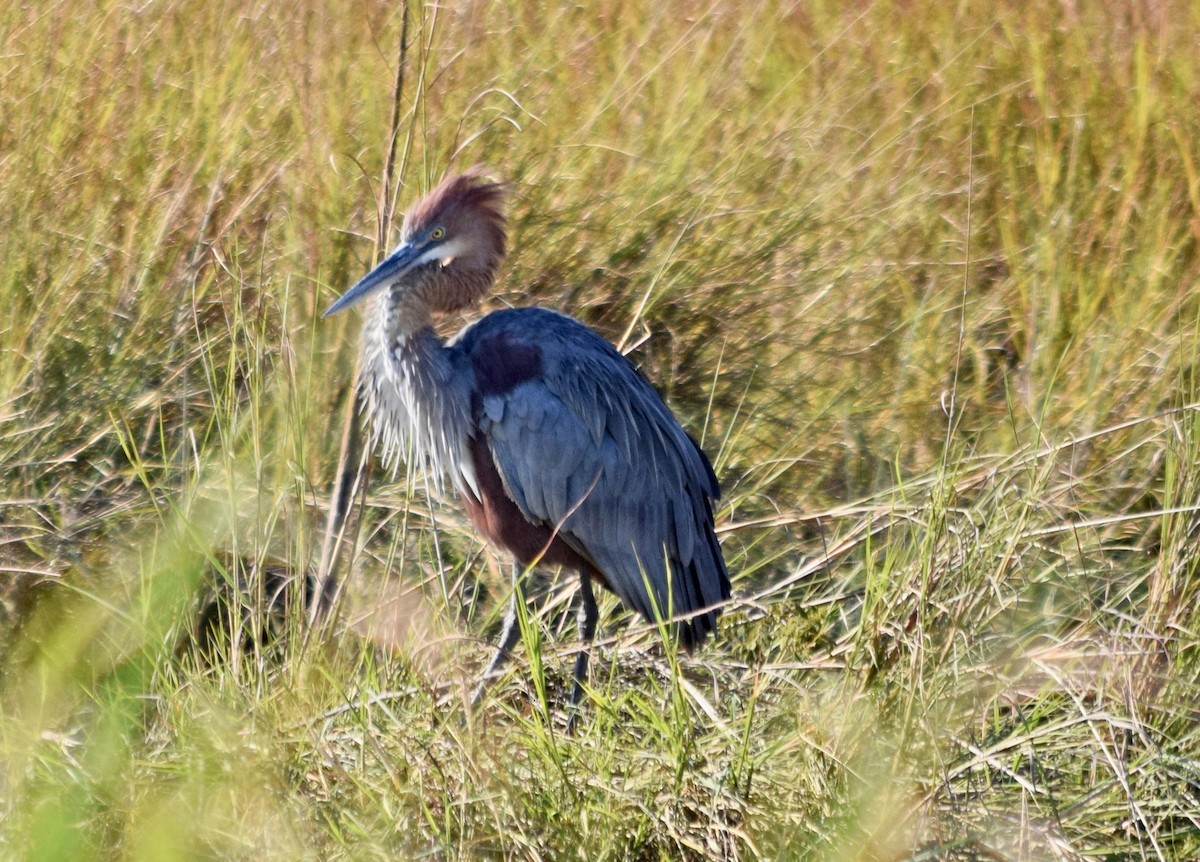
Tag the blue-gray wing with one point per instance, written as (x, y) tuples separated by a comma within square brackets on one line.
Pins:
[(584, 445)]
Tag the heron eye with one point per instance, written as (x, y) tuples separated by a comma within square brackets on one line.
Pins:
[(437, 233)]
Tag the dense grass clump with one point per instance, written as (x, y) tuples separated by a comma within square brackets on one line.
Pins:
[(922, 277)]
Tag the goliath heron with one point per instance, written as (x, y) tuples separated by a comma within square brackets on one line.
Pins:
[(560, 450)]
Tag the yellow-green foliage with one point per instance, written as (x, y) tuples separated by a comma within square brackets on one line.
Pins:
[(921, 275)]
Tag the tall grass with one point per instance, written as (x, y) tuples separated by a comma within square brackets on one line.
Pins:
[(921, 276)]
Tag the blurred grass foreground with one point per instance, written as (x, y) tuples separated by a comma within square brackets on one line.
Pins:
[(921, 276)]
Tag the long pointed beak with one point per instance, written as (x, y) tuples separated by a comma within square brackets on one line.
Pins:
[(394, 267)]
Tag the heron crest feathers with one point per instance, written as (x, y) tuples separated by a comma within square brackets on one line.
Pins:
[(470, 209)]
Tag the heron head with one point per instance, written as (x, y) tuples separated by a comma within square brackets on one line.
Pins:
[(452, 241)]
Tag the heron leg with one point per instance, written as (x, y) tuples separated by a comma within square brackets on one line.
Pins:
[(588, 615), (509, 632)]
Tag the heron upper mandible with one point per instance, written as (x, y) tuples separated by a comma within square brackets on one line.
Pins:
[(561, 451)]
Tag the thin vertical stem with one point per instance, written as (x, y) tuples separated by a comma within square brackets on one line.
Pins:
[(354, 462)]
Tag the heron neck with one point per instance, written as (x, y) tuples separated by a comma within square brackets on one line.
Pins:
[(419, 409), (405, 312), (409, 307)]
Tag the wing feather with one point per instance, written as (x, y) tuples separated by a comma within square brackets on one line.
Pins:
[(586, 445)]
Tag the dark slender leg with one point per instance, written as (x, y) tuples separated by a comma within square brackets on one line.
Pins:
[(509, 632), (587, 630)]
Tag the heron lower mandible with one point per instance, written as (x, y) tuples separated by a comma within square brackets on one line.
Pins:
[(561, 451)]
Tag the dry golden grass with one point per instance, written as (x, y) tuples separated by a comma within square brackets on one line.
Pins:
[(922, 276)]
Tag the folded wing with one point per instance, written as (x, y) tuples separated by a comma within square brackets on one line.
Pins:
[(584, 445)]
